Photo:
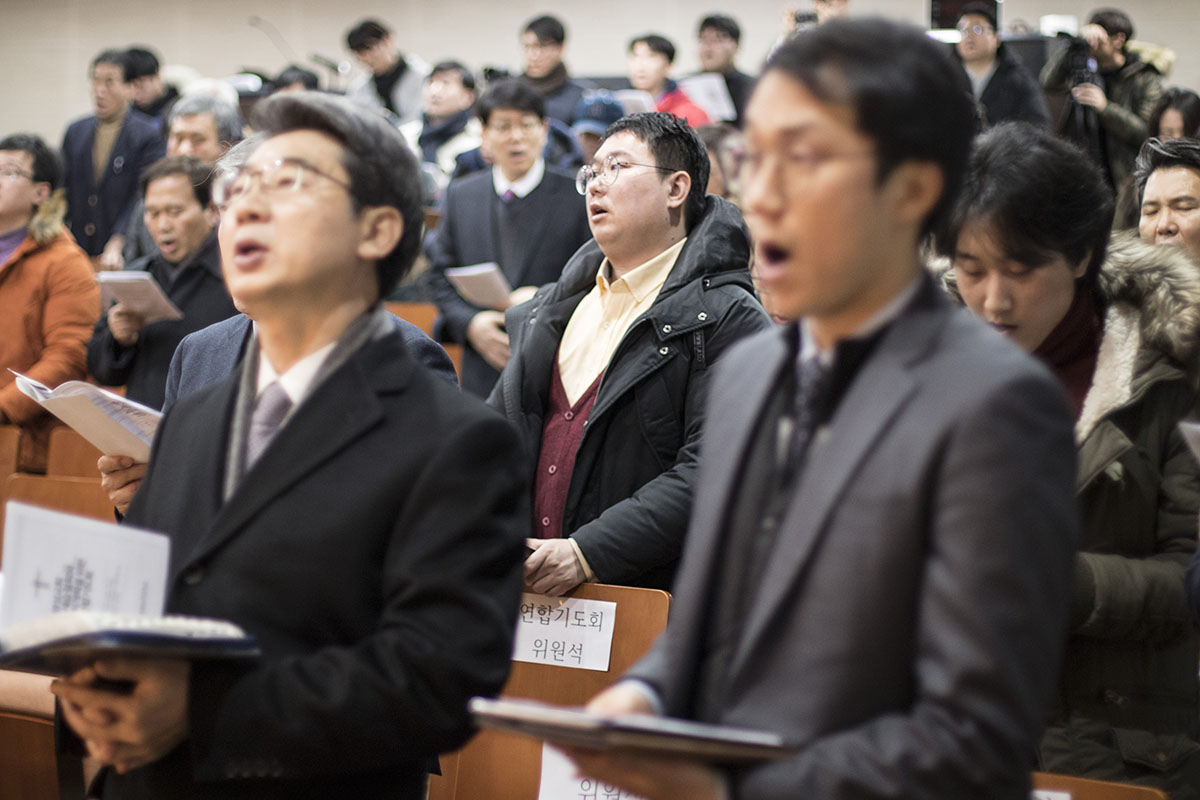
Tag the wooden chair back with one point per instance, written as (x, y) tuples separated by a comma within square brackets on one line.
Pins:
[(71, 455), (10, 449), (423, 315), (503, 766), (74, 495), (28, 764), (1086, 789)]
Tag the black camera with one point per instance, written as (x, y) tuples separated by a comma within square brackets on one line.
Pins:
[(1082, 63)]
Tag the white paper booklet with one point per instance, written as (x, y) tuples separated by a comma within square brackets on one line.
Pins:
[(138, 292), (76, 588), (708, 90), (483, 285), (115, 425), (63, 562), (634, 101)]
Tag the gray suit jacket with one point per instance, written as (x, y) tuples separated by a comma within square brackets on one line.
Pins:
[(907, 630)]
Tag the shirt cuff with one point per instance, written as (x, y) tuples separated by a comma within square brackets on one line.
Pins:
[(588, 575)]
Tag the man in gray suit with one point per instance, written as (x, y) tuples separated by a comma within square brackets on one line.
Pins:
[(880, 552)]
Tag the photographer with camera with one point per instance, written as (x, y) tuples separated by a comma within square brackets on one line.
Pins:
[(1112, 92)]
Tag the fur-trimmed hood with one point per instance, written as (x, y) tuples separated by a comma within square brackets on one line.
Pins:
[(1151, 297)]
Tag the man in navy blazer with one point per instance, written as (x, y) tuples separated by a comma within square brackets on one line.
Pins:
[(521, 214), (881, 548), (362, 519), (100, 196)]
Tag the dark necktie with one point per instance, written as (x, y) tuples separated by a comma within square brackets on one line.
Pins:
[(269, 410), (508, 196)]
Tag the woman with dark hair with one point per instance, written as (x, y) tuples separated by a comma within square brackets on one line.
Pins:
[(1119, 326), (1175, 115)]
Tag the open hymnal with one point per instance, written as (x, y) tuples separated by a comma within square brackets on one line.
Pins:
[(483, 285), (634, 101), (137, 291), (115, 425), (651, 734), (709, 91), (76, 589)]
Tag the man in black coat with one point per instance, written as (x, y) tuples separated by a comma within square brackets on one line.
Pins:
[(1001, 84), (357, 515), (522, 214), (610, 362), (128, 350)]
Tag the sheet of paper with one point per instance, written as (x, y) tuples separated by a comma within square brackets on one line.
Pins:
[(1045, 794), (708, 90), (565, 632), (63, 562), (634, 101), (482, 284), (138, 292), (114, 424), (559, 781)]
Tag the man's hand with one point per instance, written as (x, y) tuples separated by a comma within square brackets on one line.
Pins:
[(128, 729), (552, 568), (111, 257), (1089, 94), (124, 325), (651, 777), (1095, 36), (486, 334), (521, 294), (120, 477)]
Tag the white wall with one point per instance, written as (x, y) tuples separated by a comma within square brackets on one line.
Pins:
[(45, 45)]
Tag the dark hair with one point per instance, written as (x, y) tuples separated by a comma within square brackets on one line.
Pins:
[(47, 163), (1113, 22), (657, 44), (383, 170), (1156, 154), (225, 116), (117, 58), (293, 73), (1042, 196), (547, 29), (365, 34), (468, 79), (674, 145), (722, 24), (906, 93), (1186, 102), (198, 173), (140, 63), (512, 94), (984, 10)]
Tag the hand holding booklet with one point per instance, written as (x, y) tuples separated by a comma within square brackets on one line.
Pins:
[(115, 425), (483, 285), (137, 291), (667, 736), (77, 589)]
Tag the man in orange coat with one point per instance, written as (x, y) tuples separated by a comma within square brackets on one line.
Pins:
[(49, 299)]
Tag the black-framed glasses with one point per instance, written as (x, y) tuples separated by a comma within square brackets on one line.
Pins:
[(276, 178), (608, 172)]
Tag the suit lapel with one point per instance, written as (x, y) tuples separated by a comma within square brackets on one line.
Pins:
[(338, 413), (876, 396)]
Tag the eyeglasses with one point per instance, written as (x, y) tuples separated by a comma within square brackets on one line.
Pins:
[(797, 168), (12, 173), (276, 179), (608, 173), (978, 30), (525, 126)]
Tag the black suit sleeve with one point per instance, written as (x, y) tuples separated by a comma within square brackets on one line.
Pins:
[(456, 312)]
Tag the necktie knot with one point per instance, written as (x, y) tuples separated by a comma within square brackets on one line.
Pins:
[(508, 196), (269, 411)]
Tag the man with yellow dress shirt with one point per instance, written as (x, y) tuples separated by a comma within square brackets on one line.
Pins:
[(609, 364)]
